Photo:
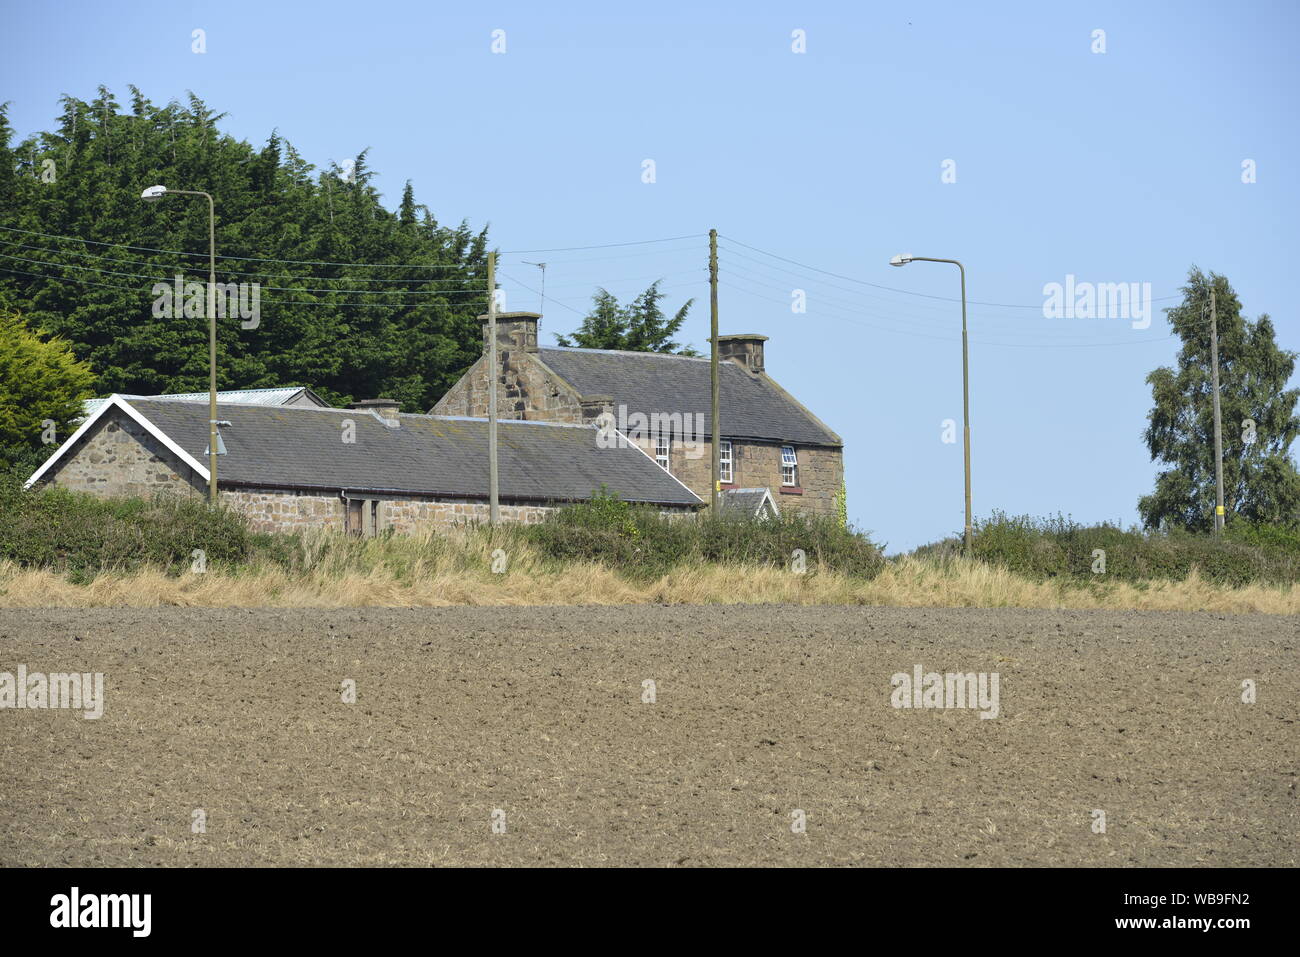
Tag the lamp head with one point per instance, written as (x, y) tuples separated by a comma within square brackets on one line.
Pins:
[(901, 260), (154, 193)]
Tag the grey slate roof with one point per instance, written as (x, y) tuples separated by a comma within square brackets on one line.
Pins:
[(302, 447), (744, 500), (750, 407)]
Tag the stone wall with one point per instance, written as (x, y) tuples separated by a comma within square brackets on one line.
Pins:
[(410, 515), (285, 510), (118, 457), (526, 389), (758, 465)]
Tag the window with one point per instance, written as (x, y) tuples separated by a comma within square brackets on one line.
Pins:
[(789, 466), (663, 445), (724, 463), (362, 517)]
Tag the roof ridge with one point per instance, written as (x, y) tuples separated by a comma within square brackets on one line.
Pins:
[(401, 415), (624, 352)]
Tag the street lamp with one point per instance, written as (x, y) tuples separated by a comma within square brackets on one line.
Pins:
[(152, 195), (903, 260)]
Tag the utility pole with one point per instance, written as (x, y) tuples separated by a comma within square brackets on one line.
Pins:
[(213, 438), (494, 506), (1218, 421), (713, 367)]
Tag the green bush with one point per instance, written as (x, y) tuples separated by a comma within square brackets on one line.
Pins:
[(640, 541), (1058, 547), (74, 531)]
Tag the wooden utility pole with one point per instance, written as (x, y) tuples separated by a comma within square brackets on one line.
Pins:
[(494, 506), (1218, 421), (713, 368)]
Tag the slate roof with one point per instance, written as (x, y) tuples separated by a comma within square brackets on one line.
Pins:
[(751, 406), (745, 500), (279, 395), (302, 448)]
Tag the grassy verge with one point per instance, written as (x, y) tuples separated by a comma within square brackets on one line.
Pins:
[(61, 549), (460, 577)]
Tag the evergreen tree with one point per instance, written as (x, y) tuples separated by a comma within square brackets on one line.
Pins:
[(80, 255), (640, 326), (1260, 480)]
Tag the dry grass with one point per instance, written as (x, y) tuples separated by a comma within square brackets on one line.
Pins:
[(454, 569)]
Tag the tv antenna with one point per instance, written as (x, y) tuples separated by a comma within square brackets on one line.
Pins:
[(542, 266)]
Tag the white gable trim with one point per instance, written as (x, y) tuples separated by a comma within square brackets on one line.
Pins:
[(768, 501), (116, 401), (634, 445)]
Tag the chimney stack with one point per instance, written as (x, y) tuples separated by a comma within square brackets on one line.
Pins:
[(383, 409), (745, 350), (594, 406), (515, 330)]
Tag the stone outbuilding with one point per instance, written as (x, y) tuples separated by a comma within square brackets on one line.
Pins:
[(362, 470)]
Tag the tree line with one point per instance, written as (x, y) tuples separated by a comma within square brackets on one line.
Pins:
[(358, 301)]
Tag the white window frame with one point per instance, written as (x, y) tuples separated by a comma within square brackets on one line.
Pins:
[(663, 452), (726, 474), (789, 467)]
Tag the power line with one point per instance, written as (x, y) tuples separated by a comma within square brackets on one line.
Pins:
[(168, 279), (905, 292), (1020, 323), (568, 249), (311, 262), (260, 259), (283, 302), (953, 338), (677, 250), (229, 272)]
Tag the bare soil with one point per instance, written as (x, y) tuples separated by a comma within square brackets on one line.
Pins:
[(759, 711)]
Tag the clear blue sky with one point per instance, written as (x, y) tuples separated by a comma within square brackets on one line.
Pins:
[(1115, 167)]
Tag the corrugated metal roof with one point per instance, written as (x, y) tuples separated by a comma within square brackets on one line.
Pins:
[(303, 448), (280, 395), (750, 406)]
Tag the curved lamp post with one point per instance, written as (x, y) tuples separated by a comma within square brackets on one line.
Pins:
[(965, 376), (153, 194)]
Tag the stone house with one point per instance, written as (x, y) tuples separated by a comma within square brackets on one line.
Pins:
[(662, 402), (362, 470)]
